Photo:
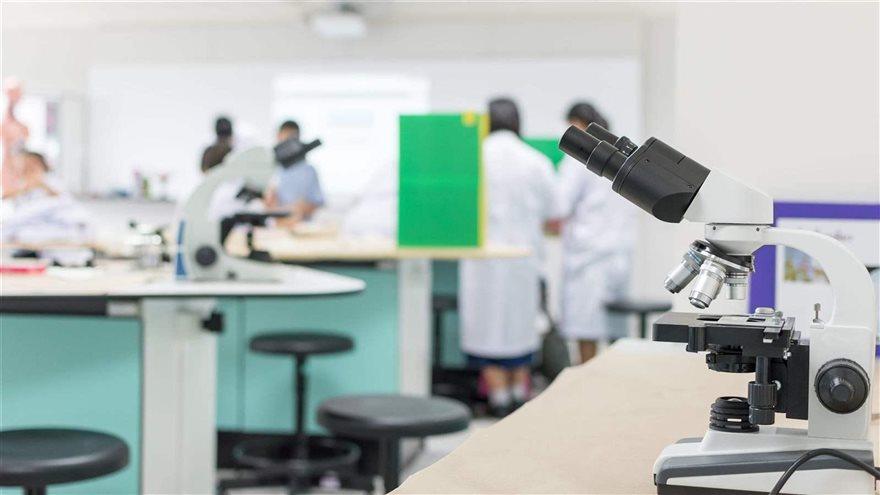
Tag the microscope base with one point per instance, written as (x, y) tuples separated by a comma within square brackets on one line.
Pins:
[(744, 463)]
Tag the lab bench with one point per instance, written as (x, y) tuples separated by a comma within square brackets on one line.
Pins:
[(86, 365), (144, 370)]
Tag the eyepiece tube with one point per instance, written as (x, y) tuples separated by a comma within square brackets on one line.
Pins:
[(600, 157), (601, 133), (578, 144)]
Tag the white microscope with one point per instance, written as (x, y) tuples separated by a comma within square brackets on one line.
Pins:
[(825, 379), (201, 239)]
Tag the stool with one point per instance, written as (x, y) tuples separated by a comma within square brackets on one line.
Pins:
[(640, 308), (389, 418), (308, 455), (36, 458)]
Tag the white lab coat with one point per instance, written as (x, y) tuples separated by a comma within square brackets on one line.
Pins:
[(499, 299), (597, 239)]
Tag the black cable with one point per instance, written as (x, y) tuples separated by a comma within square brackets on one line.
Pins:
[(875, 472)]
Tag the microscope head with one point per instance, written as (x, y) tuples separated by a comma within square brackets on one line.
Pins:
[(655, 177), (664, 182), (672, 187), (291, 151)]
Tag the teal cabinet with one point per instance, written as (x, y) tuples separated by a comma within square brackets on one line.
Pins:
[(255, 391), (74, 372)]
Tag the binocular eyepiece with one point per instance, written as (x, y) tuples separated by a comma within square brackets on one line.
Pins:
[(654, 176), (602, 152)]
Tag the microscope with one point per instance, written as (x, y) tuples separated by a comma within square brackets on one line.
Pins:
[(201, 239), (823, 377)]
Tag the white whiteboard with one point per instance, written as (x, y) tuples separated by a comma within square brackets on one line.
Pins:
[(158, 118)]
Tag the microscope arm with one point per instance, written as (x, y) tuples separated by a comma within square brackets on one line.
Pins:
[(854, 299), (202, 239)]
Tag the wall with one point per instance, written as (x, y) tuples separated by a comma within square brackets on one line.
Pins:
[(157, 118), (59, 60), (784, 96)]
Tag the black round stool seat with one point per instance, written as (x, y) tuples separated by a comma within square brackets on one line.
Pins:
[(640, 308), (392, 416), (49, 456), (282, 456), (637, 307), (300, 343)]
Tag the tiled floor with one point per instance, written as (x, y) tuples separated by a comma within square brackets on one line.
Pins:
[(435, 448)]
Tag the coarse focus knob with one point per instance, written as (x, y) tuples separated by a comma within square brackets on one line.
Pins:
[(842, 386), (206, 256)]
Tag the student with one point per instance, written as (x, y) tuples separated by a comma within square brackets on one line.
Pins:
[(214, 154), (295, 188), (597, 239), (499, 299), (34, 182), (40, 208)]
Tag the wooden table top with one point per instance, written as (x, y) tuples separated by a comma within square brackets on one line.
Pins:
[(597, 429), (284, 246)]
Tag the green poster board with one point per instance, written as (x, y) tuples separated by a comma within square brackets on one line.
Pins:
[(549, 147), (440, 199)]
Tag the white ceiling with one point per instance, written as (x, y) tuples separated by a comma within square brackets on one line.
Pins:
[(37, 15)]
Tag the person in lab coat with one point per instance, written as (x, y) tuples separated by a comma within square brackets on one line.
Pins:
[(295, 188), (598, 234), (499, 299)]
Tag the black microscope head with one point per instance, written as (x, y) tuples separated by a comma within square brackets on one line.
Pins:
[(654, 176), (291, 151)]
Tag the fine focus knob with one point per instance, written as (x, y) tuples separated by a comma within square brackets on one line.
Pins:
[(842, 386), (206, 256), (841, 390)]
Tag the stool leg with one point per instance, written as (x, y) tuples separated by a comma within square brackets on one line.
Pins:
[(643, 324), (36, 490), (389, 456), (299, 406)]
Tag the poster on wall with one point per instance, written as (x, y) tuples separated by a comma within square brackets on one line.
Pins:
[(797, 282)]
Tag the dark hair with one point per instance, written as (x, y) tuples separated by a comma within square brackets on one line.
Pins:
[(288, 125), (587, 114), (503, 115), (37, 156), (214, 155), (223, 127)]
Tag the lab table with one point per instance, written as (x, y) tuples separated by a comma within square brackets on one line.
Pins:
[(597, 429), (178, 354)]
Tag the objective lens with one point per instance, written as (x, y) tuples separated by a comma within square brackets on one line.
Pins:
[(682, 274), (737, 286), (708, 284)]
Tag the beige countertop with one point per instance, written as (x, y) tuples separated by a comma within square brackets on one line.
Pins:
[(597, 429), (285, 246)]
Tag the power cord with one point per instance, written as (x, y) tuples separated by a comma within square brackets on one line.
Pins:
[(873, 471)]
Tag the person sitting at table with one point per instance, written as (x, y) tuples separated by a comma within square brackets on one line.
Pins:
[(41, 210), (296, 188), (34, 182)]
